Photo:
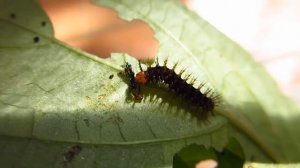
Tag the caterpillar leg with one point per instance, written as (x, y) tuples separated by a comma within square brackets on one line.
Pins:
[(138, 97)]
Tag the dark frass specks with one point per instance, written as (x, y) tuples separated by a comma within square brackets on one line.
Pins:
[(36, 39), (43, 23), (71, 153), (12, 15)]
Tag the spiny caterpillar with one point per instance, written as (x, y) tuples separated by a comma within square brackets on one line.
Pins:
[(162, 75)]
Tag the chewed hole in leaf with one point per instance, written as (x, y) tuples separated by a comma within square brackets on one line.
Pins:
[(106, 33)]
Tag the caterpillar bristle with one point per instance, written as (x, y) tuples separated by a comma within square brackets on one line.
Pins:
[(157, 61), (165, 62), (201, 86), (207, 91), (193, 80), (175, 65), (181, 72), (140, 66), (187, 77)]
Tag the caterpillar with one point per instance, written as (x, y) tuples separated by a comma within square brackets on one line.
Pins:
[(161, 75)]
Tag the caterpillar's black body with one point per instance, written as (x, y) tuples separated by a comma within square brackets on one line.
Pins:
[(162, 75)]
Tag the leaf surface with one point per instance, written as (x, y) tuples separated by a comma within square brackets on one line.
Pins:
[(54, 97), (253, 104)]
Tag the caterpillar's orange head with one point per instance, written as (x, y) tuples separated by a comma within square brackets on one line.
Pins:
[(141, 78)]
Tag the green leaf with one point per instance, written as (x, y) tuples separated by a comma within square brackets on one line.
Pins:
[(264, 165), (260, 115), (191, 155), (54, 98), (230, 157)]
